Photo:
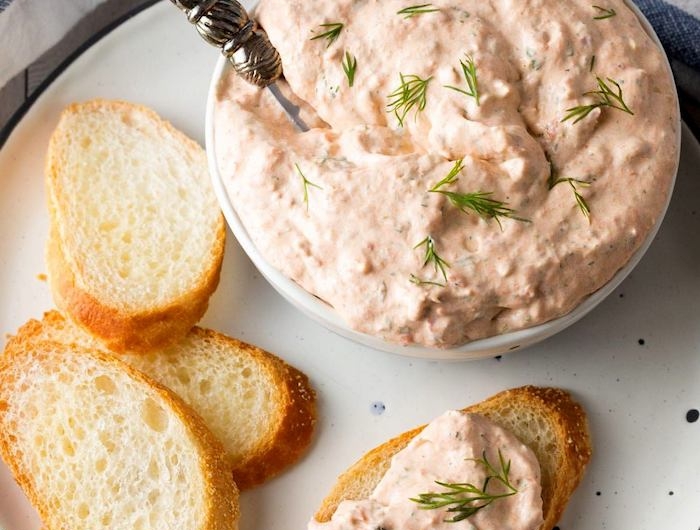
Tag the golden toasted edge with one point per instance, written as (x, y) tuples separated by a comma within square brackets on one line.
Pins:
[(119, 331), (222, 502), (292, 428), (553, 404), (144, 331), (572, 439)]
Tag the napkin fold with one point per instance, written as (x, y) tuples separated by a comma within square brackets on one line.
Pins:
[(677, 23), (28, 28)]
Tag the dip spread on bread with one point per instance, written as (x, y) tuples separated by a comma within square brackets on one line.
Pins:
[(472, 167), (457, 450)]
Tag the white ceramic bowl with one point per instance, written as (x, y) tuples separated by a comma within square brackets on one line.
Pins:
[(320, 311)]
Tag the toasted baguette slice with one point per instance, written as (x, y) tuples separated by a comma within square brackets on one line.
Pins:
[(95, 443), (547, 420), (262, 409), (136, 235)]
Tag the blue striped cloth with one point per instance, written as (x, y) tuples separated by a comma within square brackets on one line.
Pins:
[(677, 23), (678, 30)]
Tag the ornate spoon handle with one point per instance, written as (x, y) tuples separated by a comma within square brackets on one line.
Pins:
[(226, 25)]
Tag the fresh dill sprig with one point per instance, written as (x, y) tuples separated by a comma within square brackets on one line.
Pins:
[(451, 177), (410, 93), (465, 499), (469, 71), (479, 202), (349, 67), (603, 13), (432, 257), (420, 9), (306, 183), (580, 200), (332, 33), (606, 96), (420, 281)]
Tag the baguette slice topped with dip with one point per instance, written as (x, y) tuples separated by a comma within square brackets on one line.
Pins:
[(519, 455)]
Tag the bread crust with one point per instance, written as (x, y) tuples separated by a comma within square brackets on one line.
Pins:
[(571, 449), (293, 425), (222, 510), (121, 331), (290, 428), (149, 327)]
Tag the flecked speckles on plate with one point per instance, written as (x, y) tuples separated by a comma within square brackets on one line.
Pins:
[(377, 408)]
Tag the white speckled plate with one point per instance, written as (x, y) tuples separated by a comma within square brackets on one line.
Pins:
[(634, 362)]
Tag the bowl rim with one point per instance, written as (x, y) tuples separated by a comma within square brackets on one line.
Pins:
[(323, 313)]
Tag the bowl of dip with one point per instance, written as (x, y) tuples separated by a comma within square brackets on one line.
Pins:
[(454, 198)]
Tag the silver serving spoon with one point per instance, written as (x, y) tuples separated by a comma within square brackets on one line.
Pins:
[(226, 25)]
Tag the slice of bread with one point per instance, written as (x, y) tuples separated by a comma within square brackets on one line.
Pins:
[(547, 420), (262, 409), (95, 443), (136, 234)]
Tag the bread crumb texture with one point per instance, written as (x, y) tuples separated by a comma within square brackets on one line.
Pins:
[(261, 409), (135, 225), (95, 444)]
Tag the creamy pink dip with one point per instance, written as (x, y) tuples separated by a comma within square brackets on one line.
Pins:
[(446, 451), (350, 235)]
